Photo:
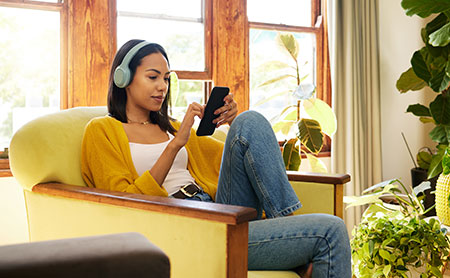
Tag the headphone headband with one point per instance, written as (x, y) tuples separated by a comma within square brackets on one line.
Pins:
[(122, 73)]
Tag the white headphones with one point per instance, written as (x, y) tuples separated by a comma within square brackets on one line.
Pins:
[(122, 74)]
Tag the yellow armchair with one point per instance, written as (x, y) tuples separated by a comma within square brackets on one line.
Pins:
[(201, 239)]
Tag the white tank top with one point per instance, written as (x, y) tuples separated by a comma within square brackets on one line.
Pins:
[(145, 156)]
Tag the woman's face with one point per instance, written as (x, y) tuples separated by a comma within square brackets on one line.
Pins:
[(148, 89)]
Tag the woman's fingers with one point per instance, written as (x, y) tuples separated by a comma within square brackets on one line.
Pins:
[(183, 133), (227, 112)]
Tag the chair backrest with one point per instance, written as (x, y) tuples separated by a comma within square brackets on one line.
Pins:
[(48, 149)]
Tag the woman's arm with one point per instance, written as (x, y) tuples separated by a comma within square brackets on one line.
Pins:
[(106, 162), (162, 166)]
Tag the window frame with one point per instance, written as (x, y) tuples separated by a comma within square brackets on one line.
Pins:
[(323, 82), (206, 74), (61, 7)]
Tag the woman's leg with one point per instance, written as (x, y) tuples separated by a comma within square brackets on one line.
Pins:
[(290, 242), (252, 173)]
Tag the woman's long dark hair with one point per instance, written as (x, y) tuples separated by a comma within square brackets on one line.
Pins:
[(117, 97)]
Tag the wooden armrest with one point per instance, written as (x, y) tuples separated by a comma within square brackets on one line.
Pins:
[(210, 211), (318, 177)]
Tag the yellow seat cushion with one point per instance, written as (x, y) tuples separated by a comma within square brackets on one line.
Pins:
[(28, 163)]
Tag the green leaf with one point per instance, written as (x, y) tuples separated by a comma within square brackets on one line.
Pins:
[(288, 42), (283, 126), (320, 111), (409, 81), (419, 110), (291, 116), (447, 68), (440, 109), (385, 254), (276, 79), (439, 81), (441, 37), (387, 270), (424, 8), (437, 23), (420, 66), (387, 242), (423, 159), (174, 87), (439, 134), (353, 201), (310, 135), (446, 162), (371, 246), (426, 120), (436, 165), (291, 155), (436, 272), (316, 165), (382, 184)]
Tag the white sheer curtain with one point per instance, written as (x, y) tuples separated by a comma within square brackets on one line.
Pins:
[(356, 148)]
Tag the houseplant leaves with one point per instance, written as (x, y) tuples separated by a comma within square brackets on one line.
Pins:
[(425, 8), (321, 112), (409, 81), (291, 155), (310, 134)]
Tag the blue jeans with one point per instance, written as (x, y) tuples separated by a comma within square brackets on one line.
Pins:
[(253, 175)]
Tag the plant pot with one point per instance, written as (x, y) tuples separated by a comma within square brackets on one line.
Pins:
[(442, 193), (418, 175)]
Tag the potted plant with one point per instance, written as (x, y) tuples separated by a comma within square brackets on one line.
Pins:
[(430, 67), (318, 118), (394, 240)]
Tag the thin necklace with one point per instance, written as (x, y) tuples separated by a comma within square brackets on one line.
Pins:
[(142, 123)]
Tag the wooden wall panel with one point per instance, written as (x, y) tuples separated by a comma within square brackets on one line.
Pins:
[(230, 55), (91, 46)]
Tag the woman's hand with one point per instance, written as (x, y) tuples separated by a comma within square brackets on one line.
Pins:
[(182, 136), (227, 112)]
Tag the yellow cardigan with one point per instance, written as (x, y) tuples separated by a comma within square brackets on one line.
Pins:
[(106, 161)]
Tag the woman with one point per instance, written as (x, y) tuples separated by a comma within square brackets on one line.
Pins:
[(138, 148)]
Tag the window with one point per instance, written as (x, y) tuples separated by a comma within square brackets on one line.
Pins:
[(30, 59), (181, 28), (274, 72)]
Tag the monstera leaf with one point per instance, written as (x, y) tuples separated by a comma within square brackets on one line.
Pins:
[(310, 134)]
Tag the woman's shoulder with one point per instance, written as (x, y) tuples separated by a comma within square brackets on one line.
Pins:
[(104, 123)]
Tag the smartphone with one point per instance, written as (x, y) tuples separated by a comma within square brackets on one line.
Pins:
[(215, 101)]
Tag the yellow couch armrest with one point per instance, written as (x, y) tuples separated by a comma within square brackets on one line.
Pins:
[(318, 192)]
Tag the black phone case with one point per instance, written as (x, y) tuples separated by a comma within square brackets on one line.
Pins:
[(215, 101)]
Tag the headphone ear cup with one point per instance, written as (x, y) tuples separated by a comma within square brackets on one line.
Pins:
[(121, 77)]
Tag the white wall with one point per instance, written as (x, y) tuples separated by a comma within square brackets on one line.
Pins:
[(13, 218), (399, 37)]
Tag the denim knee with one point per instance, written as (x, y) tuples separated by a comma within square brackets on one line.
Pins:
[(337, 226), (249, 115), (251, 123)]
